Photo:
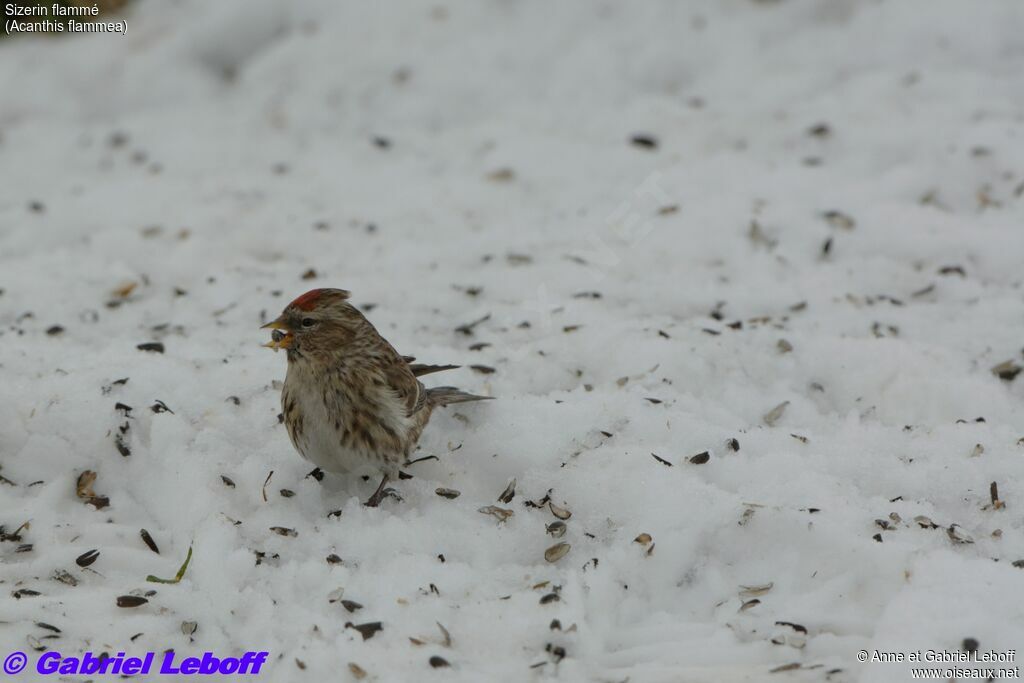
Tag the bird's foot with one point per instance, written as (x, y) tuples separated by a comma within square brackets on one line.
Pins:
[(382, 492), (378, 497)]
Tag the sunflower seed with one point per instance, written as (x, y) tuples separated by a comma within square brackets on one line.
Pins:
[(131, 601), (87, 558), (148, 540)]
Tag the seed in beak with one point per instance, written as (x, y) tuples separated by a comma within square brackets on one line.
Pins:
[(279, 340)]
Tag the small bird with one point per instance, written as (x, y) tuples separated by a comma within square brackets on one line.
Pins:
[(349, 399)]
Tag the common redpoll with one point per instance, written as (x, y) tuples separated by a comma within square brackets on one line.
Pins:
[(349, 399)]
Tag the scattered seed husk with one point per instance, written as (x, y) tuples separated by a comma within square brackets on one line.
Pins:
[(131, 601), (957, 534), (48, 627), (549, 598), (792, 666), (287, 493), (84, 490), (758, 237), (267, 481), (357, 671), (749, 604), (783, 346), (160, 407), (446, 637), (556, 529), (333, 559), (560, 512), (838, 219), (438, 662), (700, 459), (925, 522), (1007, 370), (978, 450), (733, 445), (284, 531), (189, 627), (467, 328), (351, 605), (450, 494), (556, 552), (367, 630), (65, 577), (746, 516), (773, 415), (643, 539), (799, 628), (663, 461), (25, 593), (227, 481), (753, 591), (181, 571), (152, 347), (644, 141), (148, 540), (501, 514), (509, 493)]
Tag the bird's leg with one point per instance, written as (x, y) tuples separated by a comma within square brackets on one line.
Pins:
[(380, 494)]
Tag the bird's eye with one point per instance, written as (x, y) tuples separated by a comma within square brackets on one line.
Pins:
[(308, 322)]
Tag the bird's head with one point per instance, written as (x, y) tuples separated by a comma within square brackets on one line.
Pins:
[(319, 320)]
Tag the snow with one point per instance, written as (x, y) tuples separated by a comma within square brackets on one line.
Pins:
[(224, 149)]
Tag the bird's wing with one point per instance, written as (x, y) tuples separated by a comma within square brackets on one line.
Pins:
[(420, 369), (410, 391)]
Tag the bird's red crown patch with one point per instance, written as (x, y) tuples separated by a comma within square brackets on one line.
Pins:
[(309, 300)]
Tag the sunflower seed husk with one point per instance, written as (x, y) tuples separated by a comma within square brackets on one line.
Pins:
[(556, 529), (556, 552), (509, 493), (752, 591), (559, 512), (500, 513)]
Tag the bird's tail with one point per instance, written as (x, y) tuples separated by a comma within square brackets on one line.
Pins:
[(442, 396)]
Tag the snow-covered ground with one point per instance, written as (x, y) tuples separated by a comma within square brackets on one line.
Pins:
[(672, 218)]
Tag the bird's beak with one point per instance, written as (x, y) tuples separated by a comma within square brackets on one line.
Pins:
[(281, 338)]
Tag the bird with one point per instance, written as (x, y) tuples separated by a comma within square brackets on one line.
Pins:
[(350, 401)]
